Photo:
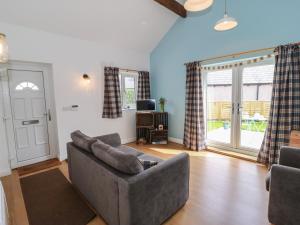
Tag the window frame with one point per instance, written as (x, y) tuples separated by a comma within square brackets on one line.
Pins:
[(122, 75)]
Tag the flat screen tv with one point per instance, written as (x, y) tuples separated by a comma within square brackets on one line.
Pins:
[(146, 105)]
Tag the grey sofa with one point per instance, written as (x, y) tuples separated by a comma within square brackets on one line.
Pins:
[(283, 183), (147, 198)]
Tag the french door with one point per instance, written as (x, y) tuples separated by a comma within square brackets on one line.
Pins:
[(238, 105)]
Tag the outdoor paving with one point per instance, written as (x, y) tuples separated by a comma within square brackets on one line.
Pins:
[(249, 139)]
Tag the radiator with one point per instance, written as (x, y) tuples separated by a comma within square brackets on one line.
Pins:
[(3, 207)]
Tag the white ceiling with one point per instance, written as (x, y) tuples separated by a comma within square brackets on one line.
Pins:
[(129, 24)]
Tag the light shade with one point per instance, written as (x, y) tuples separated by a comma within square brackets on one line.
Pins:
[(197, 5), (3, 49), (226, 23)]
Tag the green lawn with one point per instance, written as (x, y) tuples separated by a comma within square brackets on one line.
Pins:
[(258, 126)]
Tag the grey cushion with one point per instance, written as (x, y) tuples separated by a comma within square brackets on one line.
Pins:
[(148, 163), (82, 141), (126, 163), (129, 150), (146, 157)]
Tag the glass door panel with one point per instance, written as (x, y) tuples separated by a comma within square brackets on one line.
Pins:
[(219, 106), (256, 86)]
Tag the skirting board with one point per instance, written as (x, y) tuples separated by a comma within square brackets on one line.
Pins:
[(5, 172), (128, 140), (176, 140)]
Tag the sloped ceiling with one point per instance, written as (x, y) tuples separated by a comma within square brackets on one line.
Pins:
[(128, 24)]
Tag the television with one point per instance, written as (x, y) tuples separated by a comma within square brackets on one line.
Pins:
[(146, 105)]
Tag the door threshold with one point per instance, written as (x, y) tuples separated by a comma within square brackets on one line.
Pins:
[(25, 170), (233, 154)]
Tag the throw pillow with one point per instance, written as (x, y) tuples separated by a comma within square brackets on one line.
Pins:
[(82, 141), (126, 163)]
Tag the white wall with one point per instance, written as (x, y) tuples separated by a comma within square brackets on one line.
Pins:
[(71, 58)]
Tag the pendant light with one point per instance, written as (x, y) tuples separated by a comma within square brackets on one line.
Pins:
[(3, 49), (197, 5), (227, 22)]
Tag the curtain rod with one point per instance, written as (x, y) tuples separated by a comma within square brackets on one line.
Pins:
[(234, 55), (129, 70)]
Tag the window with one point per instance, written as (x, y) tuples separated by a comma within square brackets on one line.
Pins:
[(128, 87), (238, 104), (27, 85)]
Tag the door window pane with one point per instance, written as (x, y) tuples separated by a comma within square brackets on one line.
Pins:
[(256, 98), (219, 101)]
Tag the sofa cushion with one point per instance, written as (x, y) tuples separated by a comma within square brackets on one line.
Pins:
[(129, 150), (82, 141), (146, 157), (126, 163), (148, 163)]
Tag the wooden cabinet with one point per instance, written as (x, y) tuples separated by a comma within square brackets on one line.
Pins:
[(147, 126)]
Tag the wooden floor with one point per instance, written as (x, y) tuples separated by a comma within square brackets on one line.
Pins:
[(223, 190)]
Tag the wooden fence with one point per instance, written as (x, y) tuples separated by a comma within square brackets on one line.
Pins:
[(222, 110)]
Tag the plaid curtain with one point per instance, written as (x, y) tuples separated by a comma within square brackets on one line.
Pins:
[(194, 137), (285, 104), (112, 98), (143, 86)]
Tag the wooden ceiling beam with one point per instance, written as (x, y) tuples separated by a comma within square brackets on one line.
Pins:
[(174, 6)]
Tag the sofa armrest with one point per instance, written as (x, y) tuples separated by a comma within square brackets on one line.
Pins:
[(284, 202), (290, 156), (152, 196), (110, 139)]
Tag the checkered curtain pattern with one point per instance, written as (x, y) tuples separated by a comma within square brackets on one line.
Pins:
[(143, 86), (112, 97), (194, 136), (285, 104)]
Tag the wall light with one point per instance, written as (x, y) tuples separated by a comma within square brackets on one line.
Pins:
[(86, 78), (3, 49)]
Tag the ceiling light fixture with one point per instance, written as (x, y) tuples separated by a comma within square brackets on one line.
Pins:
[(3, 49), (197, 5), (227, 22)]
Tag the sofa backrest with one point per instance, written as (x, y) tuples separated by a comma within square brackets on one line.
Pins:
[(110, 139)]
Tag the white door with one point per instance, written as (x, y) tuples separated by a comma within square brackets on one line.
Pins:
[(29, 114)]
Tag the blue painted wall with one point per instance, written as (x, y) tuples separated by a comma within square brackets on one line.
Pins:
[(262, 23)]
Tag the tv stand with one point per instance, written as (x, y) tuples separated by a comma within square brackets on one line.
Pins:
[(147, 127)]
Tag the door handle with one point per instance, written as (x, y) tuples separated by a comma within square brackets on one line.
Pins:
[(49, 115), (30, 122), (239, 107)]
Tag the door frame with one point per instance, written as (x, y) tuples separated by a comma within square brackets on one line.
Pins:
[(46, 69)]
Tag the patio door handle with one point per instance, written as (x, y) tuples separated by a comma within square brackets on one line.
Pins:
[(239, 107)]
